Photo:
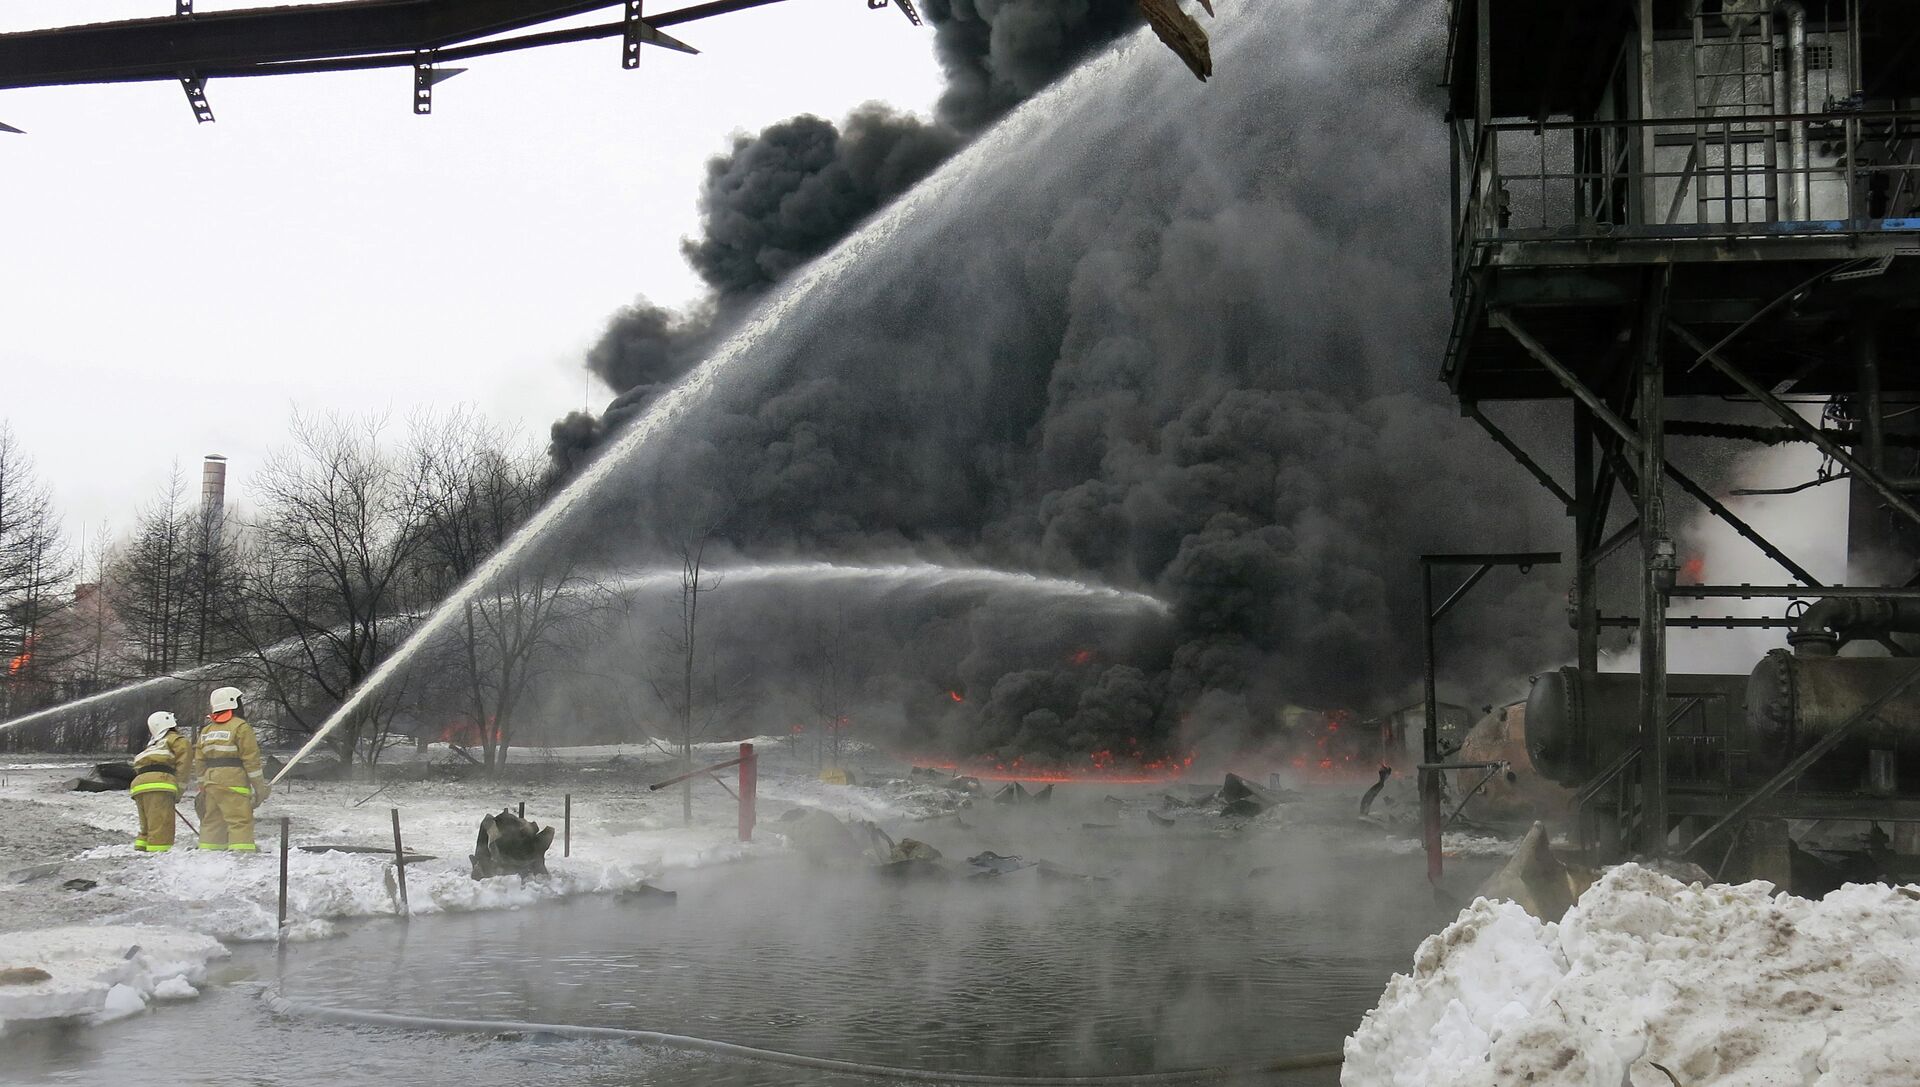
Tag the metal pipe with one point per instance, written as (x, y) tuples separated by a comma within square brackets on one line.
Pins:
[(400, 867), (1799, 165), (281, 928), (1791, 592), (1821, 626), (566, 838)]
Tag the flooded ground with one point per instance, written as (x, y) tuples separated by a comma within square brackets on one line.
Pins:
[(1194, 948)]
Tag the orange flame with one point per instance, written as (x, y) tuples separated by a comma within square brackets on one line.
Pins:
[(1104, 766), (955, 695), (1081, 657)]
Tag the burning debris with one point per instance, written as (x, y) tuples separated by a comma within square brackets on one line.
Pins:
[(510, 846), (1242, 799)]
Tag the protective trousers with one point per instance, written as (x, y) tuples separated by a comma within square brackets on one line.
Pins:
[(155, 795), (228, 821)]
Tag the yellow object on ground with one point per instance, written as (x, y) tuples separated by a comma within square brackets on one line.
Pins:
[(833, 775), (157, 771), (230, 779)]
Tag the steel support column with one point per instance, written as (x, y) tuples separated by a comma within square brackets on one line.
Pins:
[(1584, 602), (1429, 736), (1656, 558)]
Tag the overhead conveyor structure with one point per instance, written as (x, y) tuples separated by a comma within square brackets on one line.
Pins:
[(192, 48)]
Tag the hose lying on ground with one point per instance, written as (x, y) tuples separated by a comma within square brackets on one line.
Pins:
[(282, 1006)]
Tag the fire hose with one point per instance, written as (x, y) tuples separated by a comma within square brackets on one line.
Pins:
[(279, 1005)]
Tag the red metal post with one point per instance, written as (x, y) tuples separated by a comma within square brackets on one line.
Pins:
[(749, 776)]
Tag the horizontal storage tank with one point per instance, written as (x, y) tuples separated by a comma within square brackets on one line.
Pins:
[(1576, 726), (1793, 701)]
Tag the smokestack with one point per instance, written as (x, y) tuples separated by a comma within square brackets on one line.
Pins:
[(213, 494)]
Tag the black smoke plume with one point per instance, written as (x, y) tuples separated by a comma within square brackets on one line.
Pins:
[(782, 196), (1171, 336)]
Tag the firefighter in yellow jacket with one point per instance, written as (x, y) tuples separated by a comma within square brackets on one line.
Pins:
[(231, 781), (158, 770)]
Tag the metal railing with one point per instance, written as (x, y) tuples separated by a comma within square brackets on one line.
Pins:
[(1689, 176)]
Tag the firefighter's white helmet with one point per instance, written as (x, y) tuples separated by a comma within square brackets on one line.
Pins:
[(159, 724), (223, 699)]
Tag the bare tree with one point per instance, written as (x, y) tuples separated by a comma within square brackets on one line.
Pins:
[(322, 574), (478, 492), (34, 570), (675, 676)]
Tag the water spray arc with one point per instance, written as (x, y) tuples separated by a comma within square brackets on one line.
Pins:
[(692, 391), (926, 575)]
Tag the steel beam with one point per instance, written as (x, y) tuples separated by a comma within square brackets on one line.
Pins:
[(1513, 449), (344, 36), (1501, 319), (1806, 430), (1634, 442), (1752, 535)]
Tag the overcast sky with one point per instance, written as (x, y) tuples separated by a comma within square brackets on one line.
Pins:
[(170, 289)]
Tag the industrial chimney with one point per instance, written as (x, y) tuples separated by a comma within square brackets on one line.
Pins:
[(213, 495)]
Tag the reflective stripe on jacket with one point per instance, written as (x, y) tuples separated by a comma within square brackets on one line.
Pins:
[(171, 749), (231, 739)]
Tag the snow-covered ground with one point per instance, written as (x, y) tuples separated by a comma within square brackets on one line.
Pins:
[(67, 858), (1648, 982), (99, 973)]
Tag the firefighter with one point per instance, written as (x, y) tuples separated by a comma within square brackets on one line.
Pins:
[(231, 781), (158, 770)]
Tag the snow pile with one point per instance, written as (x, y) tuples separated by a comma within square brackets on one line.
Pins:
[(1717, 985), (100, 972), (236, 894)]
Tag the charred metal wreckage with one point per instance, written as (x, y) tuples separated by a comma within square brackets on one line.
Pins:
[(1656, 200), (428, 36)]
